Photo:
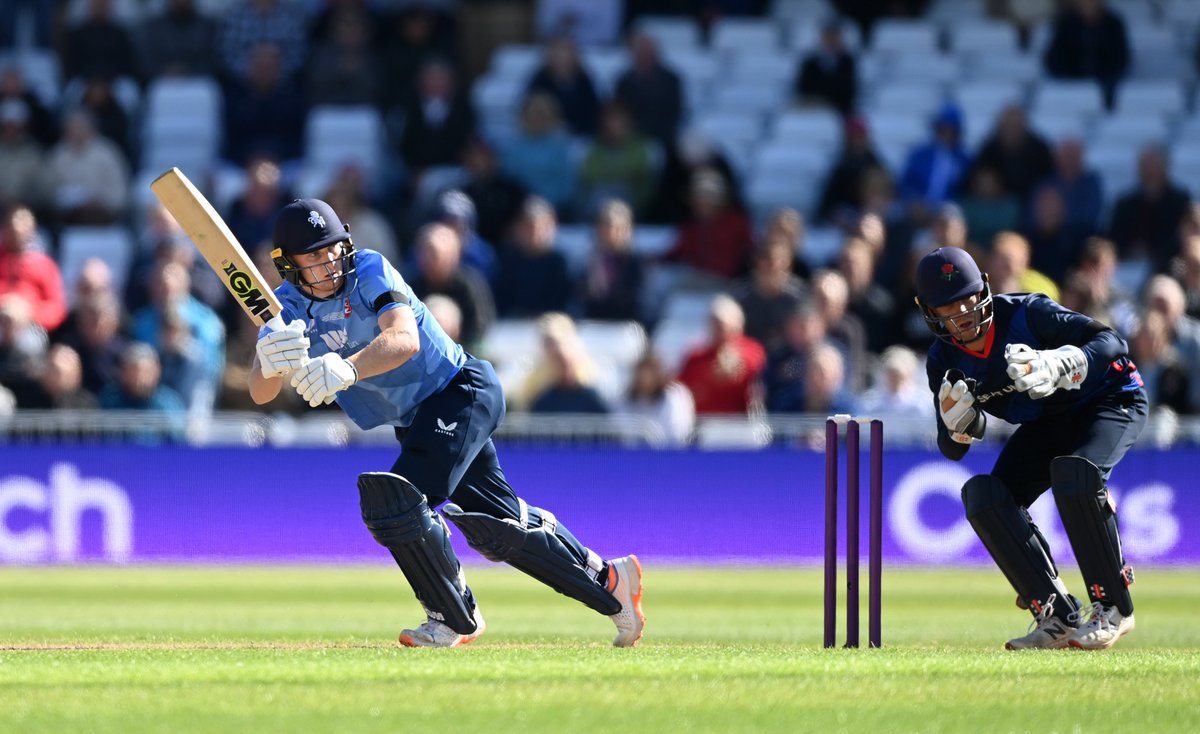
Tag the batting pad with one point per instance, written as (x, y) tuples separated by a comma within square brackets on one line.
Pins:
[(1090, 519), (400, 520)]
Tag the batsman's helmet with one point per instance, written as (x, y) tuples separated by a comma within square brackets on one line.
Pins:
[(308, 225), (946, 275)]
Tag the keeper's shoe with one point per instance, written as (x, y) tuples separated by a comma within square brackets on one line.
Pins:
[(1047, 632), (625, 583), (433, 633), (1102, 629)]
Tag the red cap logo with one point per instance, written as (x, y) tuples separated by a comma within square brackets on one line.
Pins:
[(948, 271)]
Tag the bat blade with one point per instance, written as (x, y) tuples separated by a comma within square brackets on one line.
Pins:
[(212, 237)]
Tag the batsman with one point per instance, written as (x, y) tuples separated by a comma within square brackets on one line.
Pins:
[(356, 334), (1067, 383)]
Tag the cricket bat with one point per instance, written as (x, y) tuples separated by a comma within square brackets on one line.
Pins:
[(219, 247)]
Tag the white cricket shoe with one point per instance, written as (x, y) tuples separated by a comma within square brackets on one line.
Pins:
[(625, 583), (1046, 633), (1104, 627), (433, 633)]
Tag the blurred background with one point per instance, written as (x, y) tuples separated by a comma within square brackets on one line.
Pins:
[(668, 224)]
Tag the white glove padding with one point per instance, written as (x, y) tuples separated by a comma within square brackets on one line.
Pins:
[(318, 380), (282, 350), (1039, 373), (956, 406)]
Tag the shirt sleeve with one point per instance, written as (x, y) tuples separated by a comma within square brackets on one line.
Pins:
[(1056, 326), (382, 287)]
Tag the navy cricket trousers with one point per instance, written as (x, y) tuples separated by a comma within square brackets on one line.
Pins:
[(1101, 432)]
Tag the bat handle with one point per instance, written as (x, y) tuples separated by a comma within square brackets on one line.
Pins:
[(276, 322)]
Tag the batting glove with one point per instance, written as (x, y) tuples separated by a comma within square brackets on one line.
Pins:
[(319, 380), (1039, 373), (956, 405), (283, 350)]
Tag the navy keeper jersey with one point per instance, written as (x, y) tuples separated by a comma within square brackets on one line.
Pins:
[(1037, 321), (349, 321)]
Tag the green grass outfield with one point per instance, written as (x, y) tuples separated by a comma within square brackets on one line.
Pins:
[(733, 649)]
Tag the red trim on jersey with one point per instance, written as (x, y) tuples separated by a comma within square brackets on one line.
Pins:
[(987, 344)]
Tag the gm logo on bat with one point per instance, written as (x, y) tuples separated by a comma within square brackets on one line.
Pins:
[(241, 285)]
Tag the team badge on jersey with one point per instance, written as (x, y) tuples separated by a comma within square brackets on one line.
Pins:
[(346, 310)]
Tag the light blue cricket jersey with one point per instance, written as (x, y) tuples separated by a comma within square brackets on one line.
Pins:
[(347, 323)]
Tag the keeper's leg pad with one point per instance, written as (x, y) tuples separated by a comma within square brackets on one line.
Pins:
[(397, 515), (1090, 519), (1015, 544), (536, 551)]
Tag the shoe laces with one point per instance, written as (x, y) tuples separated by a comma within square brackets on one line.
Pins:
[(1099, 616), (1046, 611)]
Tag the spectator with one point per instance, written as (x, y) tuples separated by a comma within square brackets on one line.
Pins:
[(59, 384), (251, 217), (829, 74), (619, 163), (347, 195), (540, 156), (457, 210), (22, 346), (722, 375), (1091, 289), (439, 255), (179, 41), (1008, 268), (695, 152), (770, 292), (533, 275), (786, 224), (842, 194), (87, 176), (438, 120), (13, 87), (716, 240), (418, 35), (344, 69), (665, 404), (447, 313), (898, 392), (612, 284), (163, 240), (1054, 245), (651, 92), (1186, 270), (831, 296), (568, 388), (497, 197), (883, 223), (803, 330), (39, 17), (249, 25), (585, 22), (95, 281), (870, 303), (1145, 221), (563, 77), (1080, 188), (987, 207), (183, 360), (947, 229), (825, 385), (1018, 154), (27, 274), (22, 161), (98, 46), (1164, 296), (934, 169), (1089, 42), (264, 108), (1159, 363), (138, 387), (111, 119), (97, 339), (170, 292)]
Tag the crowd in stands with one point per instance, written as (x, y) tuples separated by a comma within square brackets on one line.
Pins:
[(738, 311)]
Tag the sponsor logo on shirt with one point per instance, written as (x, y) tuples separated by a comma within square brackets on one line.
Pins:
[(446, 429)]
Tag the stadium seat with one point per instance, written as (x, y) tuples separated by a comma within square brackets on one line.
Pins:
[(651, 241), (948, 12), (76, 245), (508, 340), (674, 338), (821, 246), (618, 343), (791, 10), (1068, 97), (574, 241), (814, 126), (758, 67), (907, 99), (996, 66), (762, 97), (982, 36), (781, 157), (1181, 13), (516, 61), (42, 74), (1131, 130), (721, 433), (1057, 126), (605, 65), (335, 136), (687, 305), (731, 127), (898, 36), (1164, 96), (772, 189), (1117, 167), (927, 68), (671, 32), (737, 34), (804, 35)]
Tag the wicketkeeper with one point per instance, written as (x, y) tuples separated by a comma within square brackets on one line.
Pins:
[(355, 333), (1068, 383)]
